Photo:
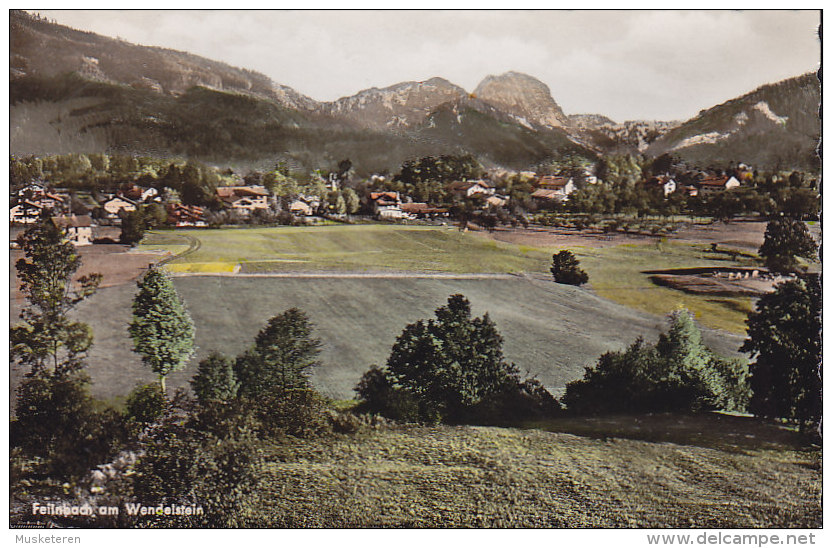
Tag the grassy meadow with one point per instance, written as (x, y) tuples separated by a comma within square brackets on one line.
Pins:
[(411, 476), (355, 248), (618, 273)]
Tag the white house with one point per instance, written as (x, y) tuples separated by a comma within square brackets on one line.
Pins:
[(78, 228), (716, 184), (115, 205), (25, 212), (387, 205), (470, 188), (244, 199), (665, 182)]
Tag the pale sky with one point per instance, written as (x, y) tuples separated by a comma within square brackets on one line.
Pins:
[(626, 65)]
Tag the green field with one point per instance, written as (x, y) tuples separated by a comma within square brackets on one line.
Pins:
[(358, 248), (503, 477), (618, 273)]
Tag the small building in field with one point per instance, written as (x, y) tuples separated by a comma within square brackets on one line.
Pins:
[(244, 199), (78, 228), (184, 215)]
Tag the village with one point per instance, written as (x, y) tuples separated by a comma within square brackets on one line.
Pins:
[(88, 215)]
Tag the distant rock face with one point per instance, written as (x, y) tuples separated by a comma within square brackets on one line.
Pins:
[(403, 105), (524, 97), (589, 121)]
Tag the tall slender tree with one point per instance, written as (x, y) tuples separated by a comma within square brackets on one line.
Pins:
[(162, 330), (47, 338)]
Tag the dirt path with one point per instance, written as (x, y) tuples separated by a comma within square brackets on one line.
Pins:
[(363, 275)]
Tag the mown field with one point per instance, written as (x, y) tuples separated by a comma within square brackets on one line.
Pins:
[(413, 476), (616, 272), (551, 330)]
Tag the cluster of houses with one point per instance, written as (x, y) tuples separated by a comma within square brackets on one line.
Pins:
[(704, 187), (36, 199), (389, 206)]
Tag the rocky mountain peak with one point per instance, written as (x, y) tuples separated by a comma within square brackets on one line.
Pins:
[(401, 105), (523, 96)]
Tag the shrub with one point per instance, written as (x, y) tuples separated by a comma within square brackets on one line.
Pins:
[(379, 396), (567, 270), (183, 465), (215, 379), (299, 412), (145, 404), (679, 373), (57, 421)]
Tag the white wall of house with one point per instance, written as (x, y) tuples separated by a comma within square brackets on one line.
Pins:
[(115, 205)]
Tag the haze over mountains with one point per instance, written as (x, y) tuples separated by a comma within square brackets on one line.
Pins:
[(74, 91)]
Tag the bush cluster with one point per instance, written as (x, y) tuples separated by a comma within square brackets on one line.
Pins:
[(679, 373), (451, 369)]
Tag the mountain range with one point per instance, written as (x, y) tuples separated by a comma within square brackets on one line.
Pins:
[(74, 91)]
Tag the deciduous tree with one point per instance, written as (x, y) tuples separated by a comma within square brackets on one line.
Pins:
[(567, 270), (284, 351), (162, 330), (786, 239), (784, 339)]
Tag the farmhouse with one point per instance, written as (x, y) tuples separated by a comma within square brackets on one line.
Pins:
[(183, 215), (387, 205), (52, 201), (496, 201), (420, 210), (136, 193), (32, 190), (300, 208), (466, 189), (716, 184), (78, 228), (115, 205), (26, 212), (244, 199), (554, 189), (551, 182)]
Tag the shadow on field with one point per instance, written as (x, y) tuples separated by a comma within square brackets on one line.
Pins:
[(712, 430)]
